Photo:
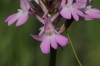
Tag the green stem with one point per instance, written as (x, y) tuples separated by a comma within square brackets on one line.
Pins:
[(52, 57), (74, 50)]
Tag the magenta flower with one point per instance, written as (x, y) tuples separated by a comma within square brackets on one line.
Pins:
[(92, 12), (42, 21), (70, 9), (22, 14), (50, 37)]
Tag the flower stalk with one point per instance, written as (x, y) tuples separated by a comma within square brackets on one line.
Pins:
[(74, 50), (53, 54)]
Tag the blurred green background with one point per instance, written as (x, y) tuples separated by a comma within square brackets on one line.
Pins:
[(18, 48)]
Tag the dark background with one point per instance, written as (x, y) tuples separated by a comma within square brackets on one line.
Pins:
[(18, 48)]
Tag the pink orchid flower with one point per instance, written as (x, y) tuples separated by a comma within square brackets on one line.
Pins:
[(21, 15), (50, 37), (70, 9), (92, 12)]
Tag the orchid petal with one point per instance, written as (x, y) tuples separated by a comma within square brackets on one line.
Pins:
[(40, 19), (12, 20), (62, 40), (22, 19), (78, 5), (93, 14), (55, 16), (53, 43), (45, 46), (95, 10), (37, 37), (46, 12), (80, 13), (75, 16), (83, 3), (63, 2), (48, 24), (41, 30), (65, 12), (87, 17), (10, 17), (24, 4)]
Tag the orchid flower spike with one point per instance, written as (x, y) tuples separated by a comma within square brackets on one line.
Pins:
[(50, 37), (21, 15)]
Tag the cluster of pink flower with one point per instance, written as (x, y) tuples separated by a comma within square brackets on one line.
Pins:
[(68, 9)]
